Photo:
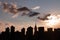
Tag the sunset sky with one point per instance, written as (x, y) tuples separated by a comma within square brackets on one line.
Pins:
[(41, 6)]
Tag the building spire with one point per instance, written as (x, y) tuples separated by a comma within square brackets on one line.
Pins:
[(35, 27)]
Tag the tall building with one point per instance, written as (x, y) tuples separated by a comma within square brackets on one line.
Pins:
[(35, 29), (7, 29), (57, 29), (12, 29), (49, 29), (29, 31), (41, 29), (23, 31)]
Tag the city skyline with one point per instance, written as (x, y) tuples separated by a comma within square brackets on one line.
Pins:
[(40, 34), (43, 7)]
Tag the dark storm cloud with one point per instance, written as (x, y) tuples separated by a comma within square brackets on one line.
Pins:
[(44, 18)]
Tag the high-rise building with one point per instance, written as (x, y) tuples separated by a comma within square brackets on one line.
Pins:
[(12, 29), (29, 31), (49, 29), (41, 29), (7, 29), (58, 29), (23, 31), (35, 29)]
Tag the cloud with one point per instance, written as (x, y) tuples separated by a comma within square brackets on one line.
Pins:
[(37, 7), (25, 13), (5, 7), (10, 8), (54, 21), (14, 16), (23, 9), (44, 18), (13, 9), (31, 14), (0, 3)]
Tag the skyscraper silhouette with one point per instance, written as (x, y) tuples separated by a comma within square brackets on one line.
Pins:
[(23, 31), (7, 29), (50, 29), (41, 29), (35, 29), (29, 33), (12, 29), (40, 33), (35, 32), (23, 34)]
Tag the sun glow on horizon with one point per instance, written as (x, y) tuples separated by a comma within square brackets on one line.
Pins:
[(53, 20)]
